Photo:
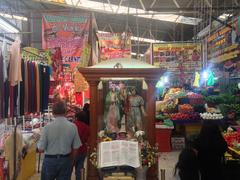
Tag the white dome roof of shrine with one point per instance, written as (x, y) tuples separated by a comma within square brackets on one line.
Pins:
[(123, 63)]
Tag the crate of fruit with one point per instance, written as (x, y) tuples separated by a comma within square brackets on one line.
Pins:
[(195, 98), (185, 108)]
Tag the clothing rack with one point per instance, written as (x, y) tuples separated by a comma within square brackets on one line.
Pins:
[(3, 33), (43, 58)]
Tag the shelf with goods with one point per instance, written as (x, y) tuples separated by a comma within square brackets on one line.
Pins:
[(181, 107), (18, 139)]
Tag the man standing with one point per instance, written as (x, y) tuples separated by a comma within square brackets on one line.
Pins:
[(58, 140)]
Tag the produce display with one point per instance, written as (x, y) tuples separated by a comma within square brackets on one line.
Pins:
[(180, 105), (161, 117), (184, 116), (232, 139), (195, 99), (211, 116), (174, 93), (185, 108)]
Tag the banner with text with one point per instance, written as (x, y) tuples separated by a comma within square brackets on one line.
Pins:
[(181, 59), (114, 45), (223, 48), (70, 33), (177, 56)]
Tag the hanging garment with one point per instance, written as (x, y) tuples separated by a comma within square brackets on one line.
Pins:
[(22, 93), (15, 75), (5, 60), (30, 94), (37, 88), (45, 86), (40, 69), (11, 100), (34, 98), (26, 95), (32, 86), (15, 101), (6, 98)]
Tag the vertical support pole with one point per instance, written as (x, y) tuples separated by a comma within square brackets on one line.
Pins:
[(90, 41), (92, 171), (151, 134), (150, 107), (14, 152)]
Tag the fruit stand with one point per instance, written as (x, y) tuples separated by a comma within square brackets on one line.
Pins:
[(180, 107)]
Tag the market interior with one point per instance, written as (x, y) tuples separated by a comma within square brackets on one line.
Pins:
[(151, 87)]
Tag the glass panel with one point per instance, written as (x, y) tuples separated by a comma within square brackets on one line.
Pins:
[(123, 107)]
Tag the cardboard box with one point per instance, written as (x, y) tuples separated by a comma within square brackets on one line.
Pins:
[(178, 143)]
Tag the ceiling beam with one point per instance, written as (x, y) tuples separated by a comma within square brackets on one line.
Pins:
[(208, 3), (143, 6), (176, 3), (153, 3), (167, 9), (120, 3), (236, 2), (189, 3)]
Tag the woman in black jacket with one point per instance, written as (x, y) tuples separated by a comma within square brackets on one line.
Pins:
[(211, 147)]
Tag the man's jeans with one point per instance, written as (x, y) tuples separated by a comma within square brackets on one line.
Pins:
[(56, 168), (79, 164)]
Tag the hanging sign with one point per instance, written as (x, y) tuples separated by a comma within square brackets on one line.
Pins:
[(176, 57), (223, 44), (223, 50), (114, 45), (70, 33)]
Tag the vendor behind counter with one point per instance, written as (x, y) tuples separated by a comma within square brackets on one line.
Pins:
[(230, 120)]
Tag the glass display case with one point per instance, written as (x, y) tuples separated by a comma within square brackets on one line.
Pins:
[(123, 102)]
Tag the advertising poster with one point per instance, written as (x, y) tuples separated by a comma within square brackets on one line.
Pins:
[(223, 50), (177, 57), (114, 45), (70, 33)]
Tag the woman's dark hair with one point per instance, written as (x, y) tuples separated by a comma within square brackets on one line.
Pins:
[(187, 165), (211, 140), (210, 134), (86, 110), (86, 107), (81, 116)]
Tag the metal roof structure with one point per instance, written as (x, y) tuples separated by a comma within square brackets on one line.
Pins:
[(162, 20)]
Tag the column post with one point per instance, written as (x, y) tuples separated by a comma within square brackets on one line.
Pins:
[(92, 171), (151, 133)]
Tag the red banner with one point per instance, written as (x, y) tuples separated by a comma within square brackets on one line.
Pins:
[(114, 45), (70, 33)]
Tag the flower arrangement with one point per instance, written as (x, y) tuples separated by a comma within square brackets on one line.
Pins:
[(149, 154), (93, 158)]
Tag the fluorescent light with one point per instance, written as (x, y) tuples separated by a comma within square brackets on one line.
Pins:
[(134, 54), (134, 38), (22, 18), (225, 16), (7, 27), (140, 39), (115, 9)]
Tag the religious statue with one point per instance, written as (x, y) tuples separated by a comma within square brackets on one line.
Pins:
[(112, 110), (136, 111)]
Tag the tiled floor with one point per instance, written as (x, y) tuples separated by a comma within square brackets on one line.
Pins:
[(167, 162)]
